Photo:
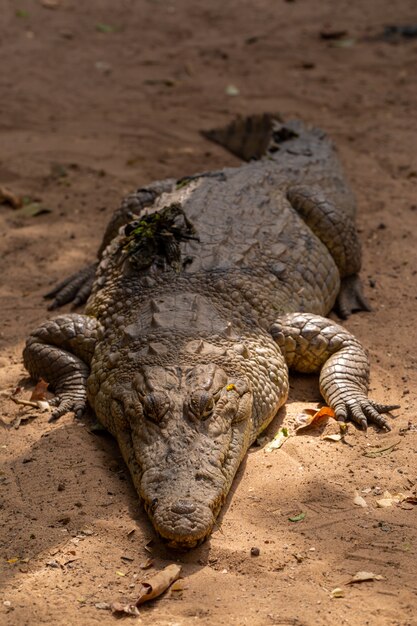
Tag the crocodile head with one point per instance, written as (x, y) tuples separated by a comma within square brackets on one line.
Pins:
[(190, 428)]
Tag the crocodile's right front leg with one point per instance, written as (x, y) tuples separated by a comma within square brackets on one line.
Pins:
[(60, 352)]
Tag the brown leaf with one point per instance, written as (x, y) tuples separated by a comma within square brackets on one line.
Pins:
[(8, 197), (361, 577), (311, 417), (149, 589), (410, 499), (39, 392), (158, 583)]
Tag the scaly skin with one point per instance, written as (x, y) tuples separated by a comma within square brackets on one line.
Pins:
[(208, 289)]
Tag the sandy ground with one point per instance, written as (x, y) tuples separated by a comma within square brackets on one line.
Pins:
[(100, 97)]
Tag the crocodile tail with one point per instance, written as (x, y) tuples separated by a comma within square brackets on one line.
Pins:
[(247, 137), (253, 137)]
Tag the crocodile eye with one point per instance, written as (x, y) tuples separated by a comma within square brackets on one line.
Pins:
[(201, 404), (155, 406)]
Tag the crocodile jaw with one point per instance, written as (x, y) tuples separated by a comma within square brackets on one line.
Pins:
[(183, 432), (184, 498)]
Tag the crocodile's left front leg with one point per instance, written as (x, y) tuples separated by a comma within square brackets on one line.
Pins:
[(60, 352), (310, 343)]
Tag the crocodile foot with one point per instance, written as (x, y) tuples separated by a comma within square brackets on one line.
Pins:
[(66, 403), (351, 297), (76, 288), (361, 411)]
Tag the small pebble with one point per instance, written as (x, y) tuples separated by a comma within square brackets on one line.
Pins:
[(255, 552)]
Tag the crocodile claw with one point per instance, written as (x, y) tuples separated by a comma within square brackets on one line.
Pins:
[(76, 288), (363, 412), (65, 404), (351, 297)]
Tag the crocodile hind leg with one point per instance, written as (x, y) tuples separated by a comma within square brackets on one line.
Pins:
[(336, 229), (60, 352), (311, 343), (77, 287)]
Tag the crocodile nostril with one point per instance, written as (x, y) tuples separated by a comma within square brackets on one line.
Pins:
[(183, 507)]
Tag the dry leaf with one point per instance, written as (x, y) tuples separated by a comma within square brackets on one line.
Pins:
[(389, 499), (335, 437), (279, 439), (410, 499), (337, 593), (149, 589), (311, 417), (359, 501), (158, 583), (8, 197), (361, 577), (39, 392), (384, 503)]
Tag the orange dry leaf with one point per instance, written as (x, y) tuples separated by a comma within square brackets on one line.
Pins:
[(39, 392), (311, 417)]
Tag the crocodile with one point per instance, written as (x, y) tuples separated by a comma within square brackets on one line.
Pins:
[(208, 290)]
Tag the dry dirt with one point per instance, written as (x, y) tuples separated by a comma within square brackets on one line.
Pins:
[(100, 97)]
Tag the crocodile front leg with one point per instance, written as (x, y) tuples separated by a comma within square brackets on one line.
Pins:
[(60, 352), (310, 343)]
